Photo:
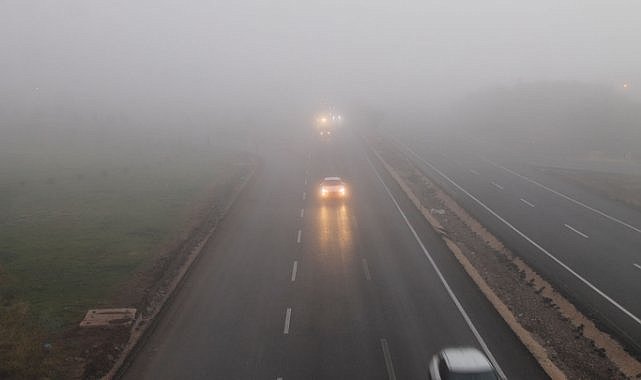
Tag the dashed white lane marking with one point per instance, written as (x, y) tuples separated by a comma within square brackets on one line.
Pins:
[(304, 195), (391, 374), (446, 285), (279, 378), (474, 172), (560, 194), (527, 238), (302, 212), (294, 270), (527, 203), (305, 181), (497, 185), (368, 275), (637, 265), (288, 317), (299, 236), (577, 231)]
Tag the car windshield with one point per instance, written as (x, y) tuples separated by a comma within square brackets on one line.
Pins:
[(320, 189)]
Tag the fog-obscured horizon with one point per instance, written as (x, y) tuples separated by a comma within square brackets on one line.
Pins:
[(544, 71)]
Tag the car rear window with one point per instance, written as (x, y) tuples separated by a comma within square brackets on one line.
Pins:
[(332, 182), (490, 375)]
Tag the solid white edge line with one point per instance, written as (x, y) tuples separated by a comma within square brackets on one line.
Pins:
[(368, 275), (575, 230), (535, 244), (497, 185), (453, 297), (299, 236), (527, 203), (637, 265), (391, 374), (567, 197), (288, 316), (294, 270)]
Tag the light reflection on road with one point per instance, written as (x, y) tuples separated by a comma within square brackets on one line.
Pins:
[(335, 236)]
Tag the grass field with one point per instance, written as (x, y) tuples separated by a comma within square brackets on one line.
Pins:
[(76, 223)]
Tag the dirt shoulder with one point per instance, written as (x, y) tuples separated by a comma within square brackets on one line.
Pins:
[(565, 342)]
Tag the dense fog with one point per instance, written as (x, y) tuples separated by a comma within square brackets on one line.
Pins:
[(193, 66)]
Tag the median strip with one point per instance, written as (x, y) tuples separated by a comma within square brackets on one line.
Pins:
[(562, 340)]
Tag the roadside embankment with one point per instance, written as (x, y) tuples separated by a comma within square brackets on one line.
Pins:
[(98, 226)]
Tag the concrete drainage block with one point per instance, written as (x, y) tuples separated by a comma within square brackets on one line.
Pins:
[(109, 317)]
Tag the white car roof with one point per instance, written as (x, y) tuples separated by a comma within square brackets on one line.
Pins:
[(466, 359), (332, 179)]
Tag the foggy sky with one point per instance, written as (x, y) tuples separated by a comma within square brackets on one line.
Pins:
[(197, 55)]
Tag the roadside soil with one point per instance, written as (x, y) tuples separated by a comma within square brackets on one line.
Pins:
[(565, 342), (93, 351)]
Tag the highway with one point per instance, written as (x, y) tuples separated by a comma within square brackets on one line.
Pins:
[(295, 287), (588, 246)]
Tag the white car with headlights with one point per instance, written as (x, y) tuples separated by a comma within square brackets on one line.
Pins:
[(333, 187), (462, 363)]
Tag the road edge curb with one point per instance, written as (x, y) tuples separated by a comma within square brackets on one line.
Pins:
[(141, 329)]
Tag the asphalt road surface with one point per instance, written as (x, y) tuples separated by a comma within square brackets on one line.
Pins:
[(295, 287), (586, 245)]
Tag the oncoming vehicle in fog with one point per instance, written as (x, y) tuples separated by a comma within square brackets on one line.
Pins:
[(333, 187)]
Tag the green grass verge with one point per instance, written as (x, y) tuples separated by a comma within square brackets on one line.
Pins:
[(75, 225)]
